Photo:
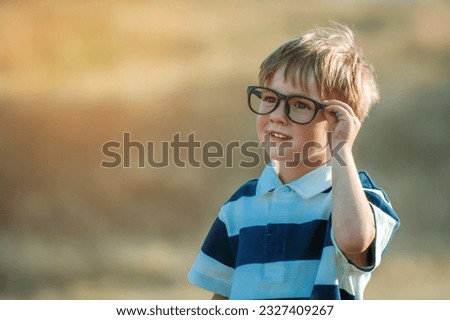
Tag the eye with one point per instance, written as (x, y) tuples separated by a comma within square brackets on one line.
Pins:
[(300, 105), (268, 97)]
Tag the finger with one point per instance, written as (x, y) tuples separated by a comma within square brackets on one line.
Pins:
[(341, 104), (331, 117), (337, 111)]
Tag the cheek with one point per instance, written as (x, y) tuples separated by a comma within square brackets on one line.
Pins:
[(260, 124), (312, 133), (320, 132)]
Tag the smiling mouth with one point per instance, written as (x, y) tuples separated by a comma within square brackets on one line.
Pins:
[(278, 135)]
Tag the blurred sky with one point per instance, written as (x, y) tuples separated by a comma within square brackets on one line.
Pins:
[(77, 74)]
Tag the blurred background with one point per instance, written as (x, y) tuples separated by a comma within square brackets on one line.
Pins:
[(76, 74)]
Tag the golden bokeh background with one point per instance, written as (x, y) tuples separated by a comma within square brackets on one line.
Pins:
[(76, 74)]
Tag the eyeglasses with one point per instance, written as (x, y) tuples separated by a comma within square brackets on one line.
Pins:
[(299, 109)]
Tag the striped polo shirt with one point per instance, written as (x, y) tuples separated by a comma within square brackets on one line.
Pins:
[(275, 241)]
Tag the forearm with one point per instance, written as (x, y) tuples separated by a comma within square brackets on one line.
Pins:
[(353, 222)]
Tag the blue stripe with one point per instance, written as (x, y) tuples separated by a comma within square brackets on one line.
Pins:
[(368, 183), (261, 210), (282, 242), (217, 245), (328, 190), (330, 292), (285, 279), (327, 241), (378, 201), (346, 295), (248, 189), (270, 243), (324, 292)]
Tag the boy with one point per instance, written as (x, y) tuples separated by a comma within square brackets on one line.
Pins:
[(311, 227)]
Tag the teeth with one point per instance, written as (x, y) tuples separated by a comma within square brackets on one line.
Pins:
[(278, 135)]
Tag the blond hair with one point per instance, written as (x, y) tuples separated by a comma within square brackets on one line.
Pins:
[(329, 54)]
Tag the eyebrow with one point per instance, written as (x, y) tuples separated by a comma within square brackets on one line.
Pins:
[(292, 95)]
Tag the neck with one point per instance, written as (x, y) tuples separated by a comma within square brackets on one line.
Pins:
[(288, 171)]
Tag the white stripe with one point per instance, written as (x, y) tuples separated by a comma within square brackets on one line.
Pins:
[(327, 269), (385, 226), (211, 275)]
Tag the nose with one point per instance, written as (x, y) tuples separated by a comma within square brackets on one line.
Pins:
[(279, 114)]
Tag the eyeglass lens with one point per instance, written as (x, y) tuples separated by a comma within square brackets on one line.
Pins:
[(263, 101)]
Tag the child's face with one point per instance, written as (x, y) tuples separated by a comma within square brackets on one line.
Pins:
[(288, 138)]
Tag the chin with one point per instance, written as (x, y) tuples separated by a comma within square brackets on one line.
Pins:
[(286, 157), (292, 160)]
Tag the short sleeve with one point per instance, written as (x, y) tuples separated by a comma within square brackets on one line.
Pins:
[(353, 279), (386, 220), (213, 267)]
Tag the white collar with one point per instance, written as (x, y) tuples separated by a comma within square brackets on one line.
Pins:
[(307, 186)]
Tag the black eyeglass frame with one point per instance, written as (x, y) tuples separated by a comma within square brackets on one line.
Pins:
[(318, 105)]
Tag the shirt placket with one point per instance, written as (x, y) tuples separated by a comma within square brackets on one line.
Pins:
[(275, 242)]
